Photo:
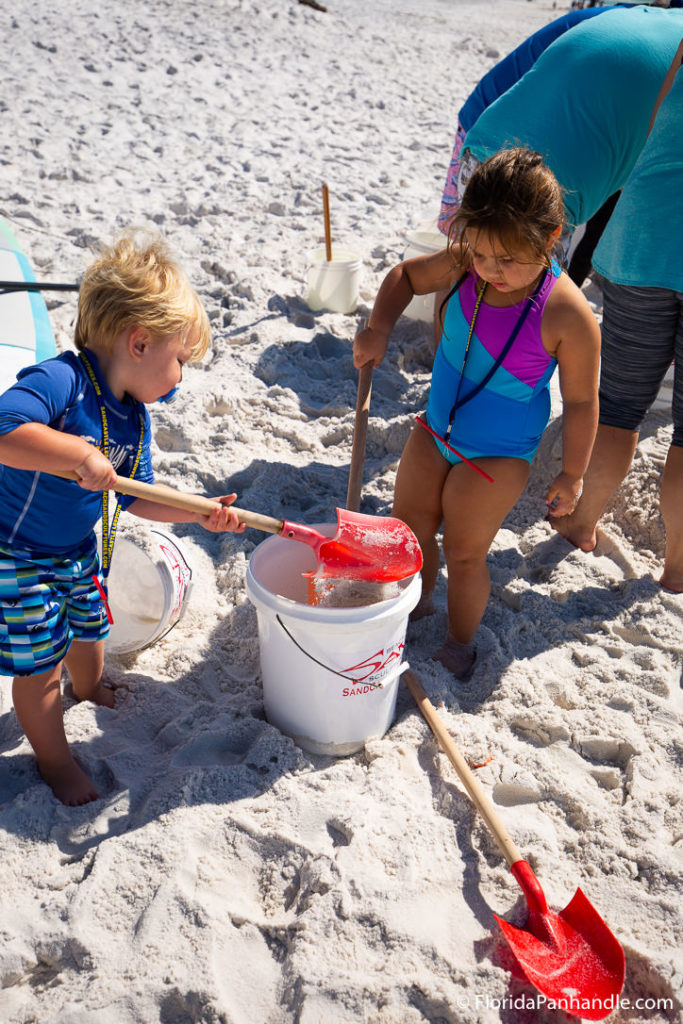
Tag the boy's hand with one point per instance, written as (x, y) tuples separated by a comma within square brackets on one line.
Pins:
[(369, 345), (563, 495), (223, 519), (96, 472)]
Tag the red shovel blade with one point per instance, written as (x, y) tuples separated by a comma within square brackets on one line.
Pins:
[(376, 548), (571, 956)]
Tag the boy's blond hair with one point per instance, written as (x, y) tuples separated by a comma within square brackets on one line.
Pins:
[(137, 282)]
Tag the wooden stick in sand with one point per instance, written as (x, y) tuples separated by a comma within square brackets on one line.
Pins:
[(326, 217)]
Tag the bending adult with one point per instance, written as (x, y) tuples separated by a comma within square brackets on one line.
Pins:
[(493, 84), (585, 104), (642, 328)]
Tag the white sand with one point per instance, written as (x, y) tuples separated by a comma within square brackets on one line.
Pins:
[(225, 875)]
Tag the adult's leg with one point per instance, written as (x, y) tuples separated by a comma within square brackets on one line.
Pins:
[(611, 459), (672, 481), (38, 704), (672, 506), (417, 501), (638, 336)]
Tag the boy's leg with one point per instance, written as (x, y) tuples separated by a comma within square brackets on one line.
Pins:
[(84, 662), (38, 704), (417, 501), (474, 510)]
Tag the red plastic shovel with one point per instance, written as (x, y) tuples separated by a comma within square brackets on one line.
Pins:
[(571, 956), (377, 548)]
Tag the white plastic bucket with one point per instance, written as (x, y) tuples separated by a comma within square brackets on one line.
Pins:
[(424, 240), (149, 584), (330, 675), (334, 285)]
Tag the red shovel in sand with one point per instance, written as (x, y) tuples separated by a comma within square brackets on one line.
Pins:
[(376, 548), (571, 956)]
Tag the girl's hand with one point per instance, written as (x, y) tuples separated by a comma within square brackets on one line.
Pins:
[(223, 519), (369, 346), (96, 472), (563, 495)]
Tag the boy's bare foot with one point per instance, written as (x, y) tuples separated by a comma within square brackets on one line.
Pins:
[(69, 783), (457, 658), (101, 694), (583, 539)]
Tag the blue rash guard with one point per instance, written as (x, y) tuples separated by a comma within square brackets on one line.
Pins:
[(510, 69), (43, 514), (586, 103)]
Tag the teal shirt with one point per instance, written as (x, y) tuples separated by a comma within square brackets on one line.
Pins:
[(641, 244), (586, 103)]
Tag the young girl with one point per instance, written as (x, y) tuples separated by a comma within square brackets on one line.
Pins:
[(510, 317)]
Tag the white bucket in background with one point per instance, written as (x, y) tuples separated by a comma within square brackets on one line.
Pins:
[(149, 583), (425, 239), (334, 285), (330, 675)]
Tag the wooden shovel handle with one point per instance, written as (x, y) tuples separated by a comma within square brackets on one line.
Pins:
[(164, 495), (360, 433), (471, 784)]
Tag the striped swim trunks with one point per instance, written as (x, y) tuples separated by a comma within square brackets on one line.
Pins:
[(46, 602), (642, 334)]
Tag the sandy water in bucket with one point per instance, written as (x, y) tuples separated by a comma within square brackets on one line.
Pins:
[(344, 593)]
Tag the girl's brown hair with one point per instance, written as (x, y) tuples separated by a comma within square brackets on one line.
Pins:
[(137, 281), (516, 199)]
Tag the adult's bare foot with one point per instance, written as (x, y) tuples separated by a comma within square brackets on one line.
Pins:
[(672, 581), (581, 537), (69, 783)]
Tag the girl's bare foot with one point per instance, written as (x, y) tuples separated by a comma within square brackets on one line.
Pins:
[(457, 658), (582, 538), (69, 783), (425, 606)]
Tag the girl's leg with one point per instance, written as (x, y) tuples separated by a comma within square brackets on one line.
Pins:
[(84, 662), (474, 510), (417, 501), (38, 704)]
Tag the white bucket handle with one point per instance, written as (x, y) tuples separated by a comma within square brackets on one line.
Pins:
[(349, 679)]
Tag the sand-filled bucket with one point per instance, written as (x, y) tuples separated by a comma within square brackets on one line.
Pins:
[(333, 284), (330, 674), (425, 239), (149, 584)]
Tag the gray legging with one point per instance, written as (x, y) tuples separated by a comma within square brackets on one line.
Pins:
[(642, 334)]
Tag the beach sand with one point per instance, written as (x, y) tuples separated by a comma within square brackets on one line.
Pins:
[(226, 876)]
